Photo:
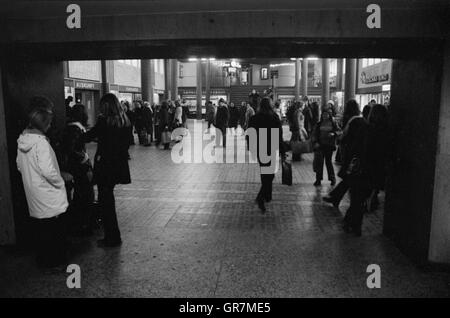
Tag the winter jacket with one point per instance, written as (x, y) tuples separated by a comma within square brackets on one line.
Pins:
[(234, 116), (44, 187), (329, 140), (268, 121), (210, 113), (73, 157), (222, 117), (249, 113), (147, 119), (178, 118)]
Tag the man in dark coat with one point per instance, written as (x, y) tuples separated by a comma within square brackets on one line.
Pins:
[(234, 118), (222, 118)]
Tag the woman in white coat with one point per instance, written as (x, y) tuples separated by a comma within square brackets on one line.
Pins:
[(44, 187)]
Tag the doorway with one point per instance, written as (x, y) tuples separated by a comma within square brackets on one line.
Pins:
[(89, 99)]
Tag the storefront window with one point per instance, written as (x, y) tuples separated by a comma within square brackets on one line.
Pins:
[(315, 73)]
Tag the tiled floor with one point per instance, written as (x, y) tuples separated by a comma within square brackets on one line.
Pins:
[(193, 230)]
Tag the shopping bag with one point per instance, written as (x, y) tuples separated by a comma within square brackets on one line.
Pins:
[(286, 172), (166, 137)]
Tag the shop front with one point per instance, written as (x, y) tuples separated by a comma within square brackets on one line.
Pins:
[(190, 96), (129, 93), (374, 81), (86, 93)]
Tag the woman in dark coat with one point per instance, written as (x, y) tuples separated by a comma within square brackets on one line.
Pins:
[(147, 116), (351, 110), (131, 117), (356, 171), (266, 118), (234, 118), (377, 151), (110, 162), (164, 121), (139, 120)]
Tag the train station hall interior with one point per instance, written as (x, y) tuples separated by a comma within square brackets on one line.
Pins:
[(193, 229)]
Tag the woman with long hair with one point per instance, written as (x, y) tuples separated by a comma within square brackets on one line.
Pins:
[(268, 119), (324, 140), (377, 148), (164, 124), (296, 122), (110, 162), (351, 111)]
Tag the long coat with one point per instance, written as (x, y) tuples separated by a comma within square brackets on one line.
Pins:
[(269, 121), (147, 118), (222, 117), (234, 116), (210, 113), (327, 143), (377, 156), (111, 159)]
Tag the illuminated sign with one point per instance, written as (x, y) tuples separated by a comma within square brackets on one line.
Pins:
[(365, 79)]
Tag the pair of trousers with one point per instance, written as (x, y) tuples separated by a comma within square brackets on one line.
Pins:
[(82, 202), (358, 195), (339, 191), (221, 132), (51, 240), (157, 134), (265, 193), (107, 205), (324, 155)]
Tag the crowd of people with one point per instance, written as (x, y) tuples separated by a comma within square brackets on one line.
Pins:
[(152, 122), (59, 177)]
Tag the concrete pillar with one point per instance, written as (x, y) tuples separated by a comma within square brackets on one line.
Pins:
[(440, 222), (207, 81), (168, 78), (339, 74), (21, 81), (414, 116), (147, 80), (174, 79), (350, 79), (105, 80), (7, 227), (199, 89), (297, 79), (304, 79), (325, 81)]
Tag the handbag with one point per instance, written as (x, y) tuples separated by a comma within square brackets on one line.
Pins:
[(286, 173), (166, 137), (354, 168)]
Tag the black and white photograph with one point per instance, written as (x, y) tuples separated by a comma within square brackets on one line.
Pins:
[(225, 155)]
